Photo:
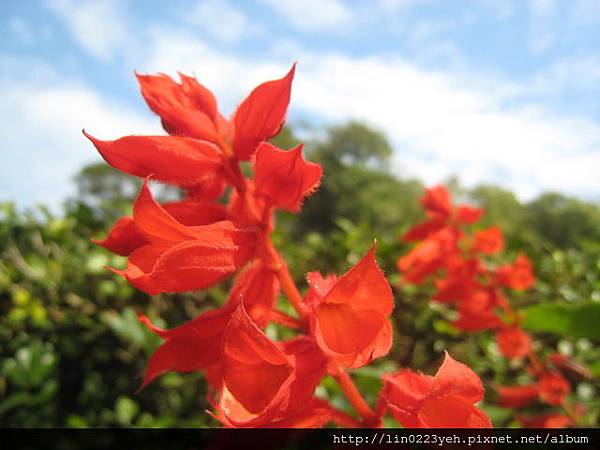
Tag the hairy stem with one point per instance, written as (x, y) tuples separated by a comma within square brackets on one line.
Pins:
[(355, 398)]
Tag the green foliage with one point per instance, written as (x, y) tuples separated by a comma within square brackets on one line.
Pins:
[(576, 321)]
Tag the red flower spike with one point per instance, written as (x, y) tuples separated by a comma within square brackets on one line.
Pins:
[(517, 396), (176, 160), (123, 238), (261, 115), (488, 241), (445, 400), (360, 300), (437, 202), (553, 388), (465, 214), (513, 342), (284, 178), (195, 345), (518, 276), (186, 109), (258, 286)]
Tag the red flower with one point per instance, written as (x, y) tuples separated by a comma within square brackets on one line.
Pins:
[(445, 400), (359, 300), (267, 383), (261, 115), (518, 276), (488, 241), (460, 281), (467, 214), (182, 258), (477, 312), (437, 202), (553, 388), (125, 237), (429, 256), (513, 342), (185, 109), (517, 396), (284, 178)]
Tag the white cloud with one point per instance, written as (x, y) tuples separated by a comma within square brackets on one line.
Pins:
[(440, 123), (222, 20), (96, 25), (314, 15), (41, 140)]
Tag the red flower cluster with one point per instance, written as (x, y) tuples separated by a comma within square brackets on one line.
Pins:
[(216, 232), (454, 257), (449, 253)]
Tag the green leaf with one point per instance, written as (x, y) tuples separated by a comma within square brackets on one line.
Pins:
[(577, 321)]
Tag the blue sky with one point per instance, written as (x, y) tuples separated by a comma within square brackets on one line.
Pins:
[(503, 91)]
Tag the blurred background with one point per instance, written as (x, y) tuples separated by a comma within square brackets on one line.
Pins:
[(498, 99)]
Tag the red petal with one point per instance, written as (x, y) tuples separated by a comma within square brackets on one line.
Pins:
[(517, 396), (155, 222), (451, 411), (360, 300), (192, 264), (488, 241), (210, 189), (256, 371), (246, 208), (429, 256), (284, 178), (454, 378), (423, 230), (178, 160), (518, 276), (258, 287), (202, 98), (261, 115), (193, 213), (437, 202), (404, 392), (310, 365), (123, 238), (513, 342), (467, 214), (553, 388), (192, 346), (185, 110)]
